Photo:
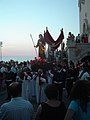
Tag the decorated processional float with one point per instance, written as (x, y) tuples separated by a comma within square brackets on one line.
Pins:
[(53, 45)]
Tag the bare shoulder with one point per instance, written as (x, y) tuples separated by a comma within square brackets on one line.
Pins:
[(38, 112), (69, 114)]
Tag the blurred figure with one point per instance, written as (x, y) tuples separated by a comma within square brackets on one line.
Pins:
[(52, 109), (17, 108), (83, 38), (70, 79), (78, 38), (79, 108), (58, 80), (86, 38), (84, 72)]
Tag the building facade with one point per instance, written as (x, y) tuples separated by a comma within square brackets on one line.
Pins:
[(81, 51), (84, 16), (78, 51)]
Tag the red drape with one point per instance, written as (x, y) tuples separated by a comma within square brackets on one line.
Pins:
[(50, 41)]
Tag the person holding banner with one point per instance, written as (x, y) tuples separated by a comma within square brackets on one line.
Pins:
[(41, 47)]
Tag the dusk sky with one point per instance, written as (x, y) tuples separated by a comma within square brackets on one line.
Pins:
[(20, 18)]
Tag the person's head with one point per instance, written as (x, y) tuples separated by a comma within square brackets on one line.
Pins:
[(15, 89), (40, 36), (78, 34), (85, 67), (81, 92), (69, 33), (59, 66), (40, 71), (51, 92)]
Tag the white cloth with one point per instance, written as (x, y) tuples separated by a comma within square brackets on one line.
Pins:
[(3, 69), (13, 69), (24, 89), (27, 88), (40, 95), (85, 75), (34, 85), (50, 77)]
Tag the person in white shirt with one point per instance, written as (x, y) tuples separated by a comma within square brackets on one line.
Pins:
[(84, 73)]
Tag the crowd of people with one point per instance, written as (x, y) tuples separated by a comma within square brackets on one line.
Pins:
[(79, 38), (45, 81)]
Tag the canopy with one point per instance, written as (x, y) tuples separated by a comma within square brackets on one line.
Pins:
[(51, 42)]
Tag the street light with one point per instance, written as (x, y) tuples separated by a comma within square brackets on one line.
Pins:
[(1, 50)]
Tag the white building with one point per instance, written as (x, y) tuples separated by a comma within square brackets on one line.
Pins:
[(84, 16)]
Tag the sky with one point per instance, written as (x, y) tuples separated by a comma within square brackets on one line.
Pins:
[(20, 18)]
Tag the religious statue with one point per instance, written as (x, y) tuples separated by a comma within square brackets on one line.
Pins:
[(41, 47)]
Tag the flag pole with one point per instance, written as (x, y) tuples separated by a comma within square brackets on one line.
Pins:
[(33, 44)]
